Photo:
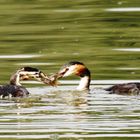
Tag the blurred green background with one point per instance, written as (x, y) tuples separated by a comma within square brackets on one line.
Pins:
[(48, 33)]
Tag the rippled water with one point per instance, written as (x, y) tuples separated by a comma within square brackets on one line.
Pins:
[(63, 113), (48, 33)]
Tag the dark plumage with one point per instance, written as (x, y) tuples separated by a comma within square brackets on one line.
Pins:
[(74, 62), (13, 90), (126, 88), (30, 69)]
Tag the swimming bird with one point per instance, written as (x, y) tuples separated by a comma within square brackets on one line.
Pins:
[(14, 88), (79, 69)]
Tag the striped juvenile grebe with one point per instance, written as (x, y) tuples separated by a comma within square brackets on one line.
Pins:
[(79, 69), (14, 88)]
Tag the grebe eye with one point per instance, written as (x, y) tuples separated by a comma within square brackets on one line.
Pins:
[(66, 69)]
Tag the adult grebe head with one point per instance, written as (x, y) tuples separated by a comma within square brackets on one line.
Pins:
[(79, 69)]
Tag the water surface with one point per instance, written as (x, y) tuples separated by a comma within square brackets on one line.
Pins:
[(63, 113)]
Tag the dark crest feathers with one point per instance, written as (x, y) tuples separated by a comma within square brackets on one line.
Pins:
[(30, 69), (75, 62)]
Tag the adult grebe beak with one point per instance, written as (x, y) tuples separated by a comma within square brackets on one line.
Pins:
[(52, 80), (62, 73)]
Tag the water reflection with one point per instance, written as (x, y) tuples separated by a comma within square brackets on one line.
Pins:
[(128, 9), (128, 49), (19, 56)]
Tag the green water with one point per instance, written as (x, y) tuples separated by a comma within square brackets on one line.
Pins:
[(65, 30), (48, 33)]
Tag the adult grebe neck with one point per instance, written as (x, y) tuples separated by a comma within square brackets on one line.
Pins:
[(85, 80), (15, 79)]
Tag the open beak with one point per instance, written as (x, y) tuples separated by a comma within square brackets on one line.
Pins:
[(52, 80)]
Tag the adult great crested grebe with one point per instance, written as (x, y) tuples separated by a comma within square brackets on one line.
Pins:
[(14, 88), (79, 69)]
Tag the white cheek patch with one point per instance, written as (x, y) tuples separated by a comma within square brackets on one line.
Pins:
[(71, 70)]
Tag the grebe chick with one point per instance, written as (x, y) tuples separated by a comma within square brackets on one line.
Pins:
[(79, 69), (14, 88)]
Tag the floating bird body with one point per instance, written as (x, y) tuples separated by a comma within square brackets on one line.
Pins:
[(79, 69)]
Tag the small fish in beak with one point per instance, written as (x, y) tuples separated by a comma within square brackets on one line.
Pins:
[(54, 78), (51, 80), (43, 78)]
